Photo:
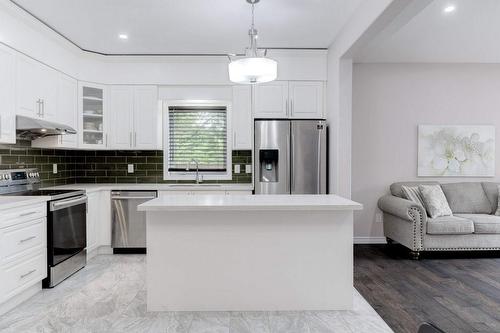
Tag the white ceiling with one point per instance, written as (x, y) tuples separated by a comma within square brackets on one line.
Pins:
[(192, 26), (469, 34)]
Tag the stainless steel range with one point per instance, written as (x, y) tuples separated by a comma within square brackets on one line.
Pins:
[(66, 222)]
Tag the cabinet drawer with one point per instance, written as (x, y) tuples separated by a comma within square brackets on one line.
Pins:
[(22, 214), (17, 239), (23, 274)]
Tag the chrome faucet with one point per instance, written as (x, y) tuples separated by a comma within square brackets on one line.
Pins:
[(198, 179)]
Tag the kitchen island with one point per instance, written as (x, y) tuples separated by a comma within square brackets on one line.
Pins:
[(249, 252)]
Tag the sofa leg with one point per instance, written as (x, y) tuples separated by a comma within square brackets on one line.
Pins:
[(415, 255), (389, 241)]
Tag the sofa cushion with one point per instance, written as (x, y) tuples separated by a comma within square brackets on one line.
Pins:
[(491, 191), (435, 201), (484, 224), (412, 193), (449, 225), (396, 188), (467, 198)]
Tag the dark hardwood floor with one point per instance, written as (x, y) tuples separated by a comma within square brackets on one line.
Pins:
[(458, 292)]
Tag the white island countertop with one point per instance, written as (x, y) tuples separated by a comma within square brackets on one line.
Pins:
[(249, 202)]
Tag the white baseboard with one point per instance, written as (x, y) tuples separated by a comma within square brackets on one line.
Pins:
[(370, 240)]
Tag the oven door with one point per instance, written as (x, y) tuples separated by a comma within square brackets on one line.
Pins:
[(67, 228)]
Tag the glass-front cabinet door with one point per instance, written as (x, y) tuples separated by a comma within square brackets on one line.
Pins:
[(92, 115)]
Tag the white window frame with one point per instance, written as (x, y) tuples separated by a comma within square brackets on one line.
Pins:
[(191, 174)]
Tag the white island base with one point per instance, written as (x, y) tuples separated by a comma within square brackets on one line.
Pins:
[(249, 253)]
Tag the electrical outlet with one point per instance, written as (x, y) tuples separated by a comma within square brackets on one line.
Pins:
[(130, 168), (379, 218), (237, 168), (248, 168), (54, 168)]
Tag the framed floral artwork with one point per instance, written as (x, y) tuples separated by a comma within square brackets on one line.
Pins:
[(456, 151)]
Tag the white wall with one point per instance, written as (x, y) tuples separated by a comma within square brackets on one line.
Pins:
[(389, 101), (369, 19)]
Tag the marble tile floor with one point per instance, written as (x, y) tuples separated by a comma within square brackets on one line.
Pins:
[(109, 295)]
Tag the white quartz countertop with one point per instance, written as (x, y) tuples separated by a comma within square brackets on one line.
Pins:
[(7, 202), (156, 187), (249, 202)]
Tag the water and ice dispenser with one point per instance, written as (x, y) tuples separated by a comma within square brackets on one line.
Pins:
[(269, 165)]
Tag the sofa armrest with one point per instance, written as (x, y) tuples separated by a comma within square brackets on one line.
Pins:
[(402, 208), (406, 221)]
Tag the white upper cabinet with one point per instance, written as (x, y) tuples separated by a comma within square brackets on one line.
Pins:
[(147, 124), (28, 96), (92, 120), (289, 99), (134, 114), (121, 99), (36, 89), (271, 100), (66, 114), (242, 117), (67, 109), (7, 95), (306, 99)]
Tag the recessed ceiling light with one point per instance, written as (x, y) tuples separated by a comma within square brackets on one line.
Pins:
[(449, 9), (123, 36)]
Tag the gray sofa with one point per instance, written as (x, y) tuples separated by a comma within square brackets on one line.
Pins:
[(472, 227)]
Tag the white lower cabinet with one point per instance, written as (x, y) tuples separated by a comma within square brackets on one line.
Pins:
[(98, 221), (92, 217), (23, 251)]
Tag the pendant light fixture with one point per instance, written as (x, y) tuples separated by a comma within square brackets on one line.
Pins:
[(254, 67)]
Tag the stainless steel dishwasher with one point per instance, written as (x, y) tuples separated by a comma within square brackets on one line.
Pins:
[(128, 226)]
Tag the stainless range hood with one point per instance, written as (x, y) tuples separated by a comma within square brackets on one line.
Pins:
[(36, 128)]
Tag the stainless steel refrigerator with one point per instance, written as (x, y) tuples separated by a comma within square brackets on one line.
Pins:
[(290, 157)]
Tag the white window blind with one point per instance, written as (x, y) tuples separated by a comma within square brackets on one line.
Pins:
[(198, 133)]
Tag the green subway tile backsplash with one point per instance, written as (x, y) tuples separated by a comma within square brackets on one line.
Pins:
[(110, 166)]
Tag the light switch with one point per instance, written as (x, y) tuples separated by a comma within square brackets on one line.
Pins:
[(130, 168), (54, 168), (248, 168), (237, 168)]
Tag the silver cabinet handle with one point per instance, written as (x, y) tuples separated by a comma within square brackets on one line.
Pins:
[(26, 239), (287, 107), (29, 273), (291, 107), (26, 214), (106, 140), (43, 108), (39, 107), (135, 139), (130, 139)]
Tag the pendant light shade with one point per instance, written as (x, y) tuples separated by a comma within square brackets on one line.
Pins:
[(253, 70), (253, 67)]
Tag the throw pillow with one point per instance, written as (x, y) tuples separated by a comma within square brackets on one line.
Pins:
[(435, 200), (497, 213), (412, 193)]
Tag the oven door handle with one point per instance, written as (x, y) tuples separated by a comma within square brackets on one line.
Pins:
[(61, 204)]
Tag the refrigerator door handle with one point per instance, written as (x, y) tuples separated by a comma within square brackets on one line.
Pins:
[(290, 149), (319, 162)]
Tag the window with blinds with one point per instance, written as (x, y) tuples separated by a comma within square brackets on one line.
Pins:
[(197, 133)]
